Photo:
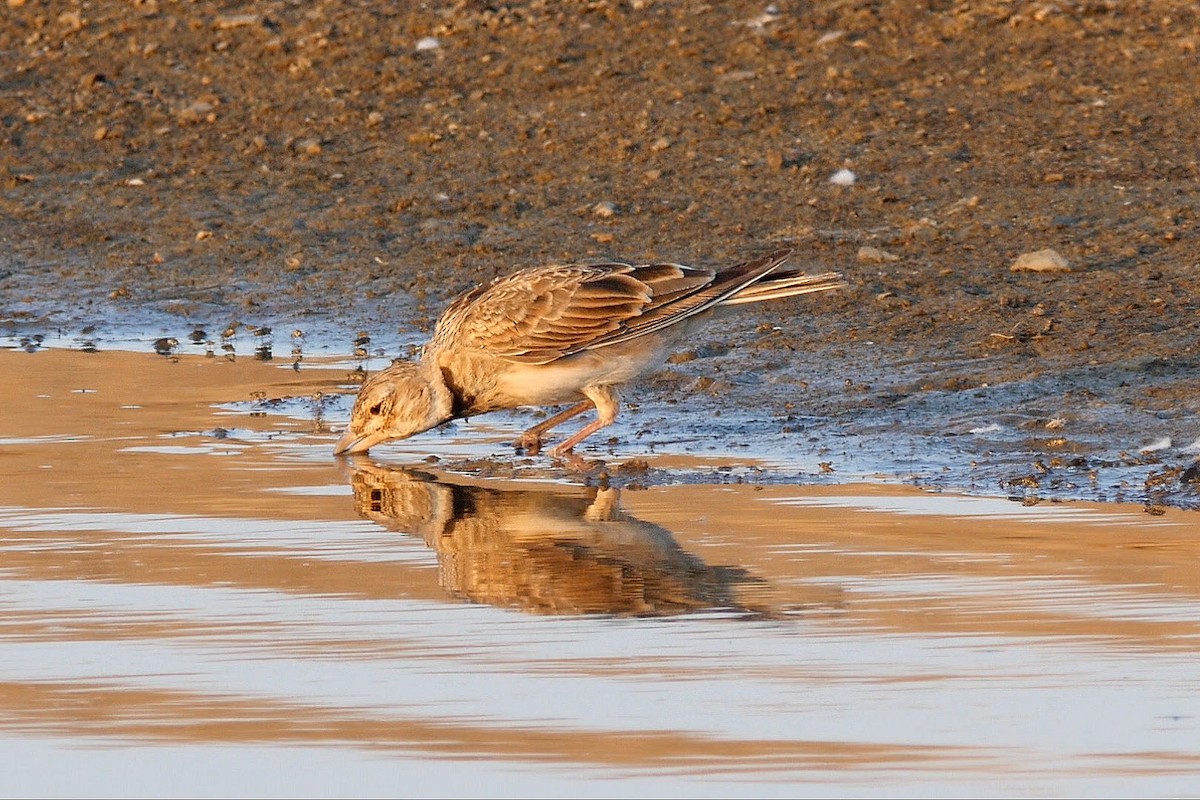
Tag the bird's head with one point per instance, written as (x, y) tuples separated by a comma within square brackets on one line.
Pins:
[(394, 403)]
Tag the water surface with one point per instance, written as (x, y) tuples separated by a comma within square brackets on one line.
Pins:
[(197, 599)]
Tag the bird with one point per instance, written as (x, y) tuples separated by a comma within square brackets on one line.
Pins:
[(568, 333)]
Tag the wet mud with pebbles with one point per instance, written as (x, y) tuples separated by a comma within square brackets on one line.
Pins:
[(350, 167)]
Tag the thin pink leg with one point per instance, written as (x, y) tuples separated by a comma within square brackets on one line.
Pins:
[(532, 438), (580, 435), (607, 403)]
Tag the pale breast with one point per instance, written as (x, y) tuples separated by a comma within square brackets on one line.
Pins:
[(561, 381), (483, 382)]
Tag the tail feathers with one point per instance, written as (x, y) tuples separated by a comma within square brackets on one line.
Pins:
[(786, 284)]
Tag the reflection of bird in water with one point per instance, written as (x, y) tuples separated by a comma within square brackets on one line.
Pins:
[(560, 334), (547, 552)]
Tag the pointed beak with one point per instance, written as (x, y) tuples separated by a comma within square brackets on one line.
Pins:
[(352, 442)]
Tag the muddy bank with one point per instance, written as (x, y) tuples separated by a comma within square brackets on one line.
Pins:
[(344, 169)]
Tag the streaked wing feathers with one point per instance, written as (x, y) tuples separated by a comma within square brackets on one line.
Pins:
[(538, 315), (715, 288)]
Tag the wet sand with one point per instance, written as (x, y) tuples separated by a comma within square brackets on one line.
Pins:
[(193, 587), (352, 167)]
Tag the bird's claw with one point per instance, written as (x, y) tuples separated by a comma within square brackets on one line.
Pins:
[(530, 443), (576, 463)]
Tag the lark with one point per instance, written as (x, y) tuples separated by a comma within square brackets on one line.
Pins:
[(558, 334)]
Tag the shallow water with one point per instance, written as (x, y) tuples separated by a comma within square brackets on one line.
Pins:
[(199, 600)]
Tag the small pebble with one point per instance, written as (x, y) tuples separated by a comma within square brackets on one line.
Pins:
[(843, 177), (428, 43), (197, 111), (309, 147), (683, 358), (166, 345), (605, 208), (225, 22), (873, 255), (738, 75), (71, 20), (1041, 261)]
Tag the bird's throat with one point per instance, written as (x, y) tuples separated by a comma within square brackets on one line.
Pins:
[(451, 400)]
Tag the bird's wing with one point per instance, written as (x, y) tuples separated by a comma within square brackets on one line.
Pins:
[(676, 302), (536, 316)]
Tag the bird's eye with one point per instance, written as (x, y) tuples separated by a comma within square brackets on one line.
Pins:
[(375, 409)]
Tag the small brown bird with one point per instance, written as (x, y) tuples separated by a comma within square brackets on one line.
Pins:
[(557, 334)]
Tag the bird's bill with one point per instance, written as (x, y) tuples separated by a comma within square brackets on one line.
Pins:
[(354, 442)]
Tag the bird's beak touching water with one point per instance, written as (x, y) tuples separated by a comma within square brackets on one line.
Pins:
[(354, 441)]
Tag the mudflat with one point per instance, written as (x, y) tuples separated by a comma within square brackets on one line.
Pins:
[(357, 165)]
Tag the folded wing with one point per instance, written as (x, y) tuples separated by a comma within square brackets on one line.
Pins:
[(536, 316)]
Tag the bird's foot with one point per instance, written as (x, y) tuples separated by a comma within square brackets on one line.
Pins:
[(576, 463), (530, 443)]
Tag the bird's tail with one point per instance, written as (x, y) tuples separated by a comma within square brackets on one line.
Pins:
[(786, 284)]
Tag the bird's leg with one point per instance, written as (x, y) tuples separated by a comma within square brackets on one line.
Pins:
[(607, 403), (580, 435), (531, 439)]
